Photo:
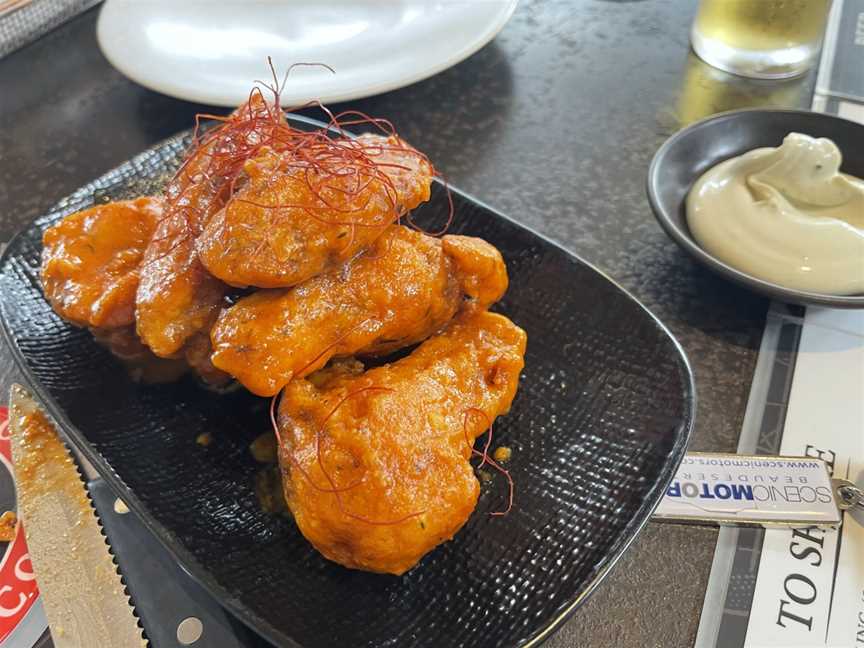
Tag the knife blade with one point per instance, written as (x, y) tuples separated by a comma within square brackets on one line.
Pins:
[(81, 590)]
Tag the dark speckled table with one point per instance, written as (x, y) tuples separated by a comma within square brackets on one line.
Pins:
[(554, 123)]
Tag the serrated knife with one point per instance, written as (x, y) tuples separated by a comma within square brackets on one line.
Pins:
[(81, 590)]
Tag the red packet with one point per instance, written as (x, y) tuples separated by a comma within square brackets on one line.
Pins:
[(22, 619)]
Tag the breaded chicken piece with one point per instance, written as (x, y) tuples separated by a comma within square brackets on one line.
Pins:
[(90, 274), (295, 219), (145, 366), (91, 259), (402, 290), (393, 478), (140, 362), (197, 353), (177, 297)]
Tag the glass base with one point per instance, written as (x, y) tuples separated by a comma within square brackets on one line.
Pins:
[(758, 64)]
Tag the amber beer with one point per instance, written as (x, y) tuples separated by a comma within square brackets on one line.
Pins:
[(763, 38)]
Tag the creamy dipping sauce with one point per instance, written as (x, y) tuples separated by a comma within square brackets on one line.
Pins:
[(785, 215)]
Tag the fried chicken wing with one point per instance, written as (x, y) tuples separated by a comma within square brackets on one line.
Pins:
[(197, 352), (145, 366), (405, 288), (374, 461), (140, 362), (375, 464), (90, 261), (177, 297), (300, 215), (90, 274)]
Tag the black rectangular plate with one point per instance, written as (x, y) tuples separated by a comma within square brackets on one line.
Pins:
[(601, 421)]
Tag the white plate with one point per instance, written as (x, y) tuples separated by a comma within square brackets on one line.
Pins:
[(211, 51)]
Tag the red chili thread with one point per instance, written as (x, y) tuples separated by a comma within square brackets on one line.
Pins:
[(337, 494), (215, 160), (487, 426), (291, 457), (336, 491), (486, 458), (273, 418)]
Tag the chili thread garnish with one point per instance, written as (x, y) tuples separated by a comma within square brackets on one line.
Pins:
[(336, 491), (326, 160), (486, 459)]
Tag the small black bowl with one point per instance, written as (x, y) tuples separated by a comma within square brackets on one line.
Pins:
[(690, 152)]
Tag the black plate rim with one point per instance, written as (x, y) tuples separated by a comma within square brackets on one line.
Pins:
[(686, 242), (247, 616)]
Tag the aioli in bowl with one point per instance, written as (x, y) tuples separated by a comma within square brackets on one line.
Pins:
[(785, 215)]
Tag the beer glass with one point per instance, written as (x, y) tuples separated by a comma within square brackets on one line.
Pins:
[(767, 39)]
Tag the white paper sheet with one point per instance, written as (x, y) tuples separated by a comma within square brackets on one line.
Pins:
[(810, 586)]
